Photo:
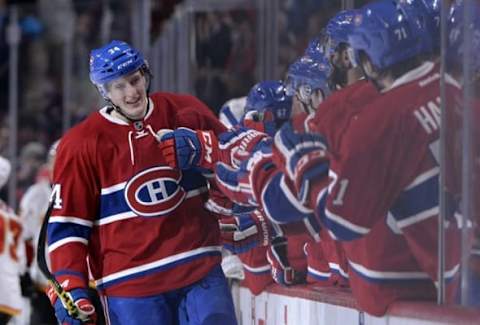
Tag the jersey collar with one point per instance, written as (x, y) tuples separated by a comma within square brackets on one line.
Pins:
[(116, 120), (412, 75)]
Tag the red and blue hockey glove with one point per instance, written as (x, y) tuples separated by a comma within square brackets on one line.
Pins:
[(244, 232), (281, 206), (219, 205), (184, 148), (238, 183), (85, 307), (318, 268), (235, 184), (302, 156), (240, 209), (282, 272), (237, 144), (260, 121)]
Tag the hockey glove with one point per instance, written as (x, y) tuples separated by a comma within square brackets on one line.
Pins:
[(184, 148), (218, 203), (238, 183), (318, 267), (244, 232), (86, 310), (282, 272), (260, 121), (239, 209), (235, 184), (237, 144), (303, 156), (280, 206)]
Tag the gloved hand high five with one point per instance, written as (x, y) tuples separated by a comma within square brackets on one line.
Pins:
[(184, 148), (302, 156), (237, 144), (239, 184)]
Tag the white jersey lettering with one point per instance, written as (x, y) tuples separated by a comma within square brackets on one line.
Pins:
[(429, 116), (56, 196)]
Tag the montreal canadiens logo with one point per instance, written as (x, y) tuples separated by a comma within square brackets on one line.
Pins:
[(154, 192)]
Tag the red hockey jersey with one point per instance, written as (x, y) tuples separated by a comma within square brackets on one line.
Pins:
[(382, 200), (142, 225)]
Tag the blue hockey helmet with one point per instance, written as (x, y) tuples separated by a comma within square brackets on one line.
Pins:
[(270, 99), (387, 34), (112, 61), (457, 48), (428, 14), (337, 30), (306, 76), (315, 48)]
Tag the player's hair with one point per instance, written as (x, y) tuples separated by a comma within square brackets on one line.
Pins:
[(394, 71)]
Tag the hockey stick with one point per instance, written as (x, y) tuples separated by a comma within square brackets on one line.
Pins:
[(63, 295)]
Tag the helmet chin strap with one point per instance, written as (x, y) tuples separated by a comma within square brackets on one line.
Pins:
[(119, 110)]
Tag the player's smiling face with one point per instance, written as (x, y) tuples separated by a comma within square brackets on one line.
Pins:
[(130, 94)]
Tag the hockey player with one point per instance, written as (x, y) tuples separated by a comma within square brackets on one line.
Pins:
[(336, 50), (152, 248), (307, 83), (12, 257)]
